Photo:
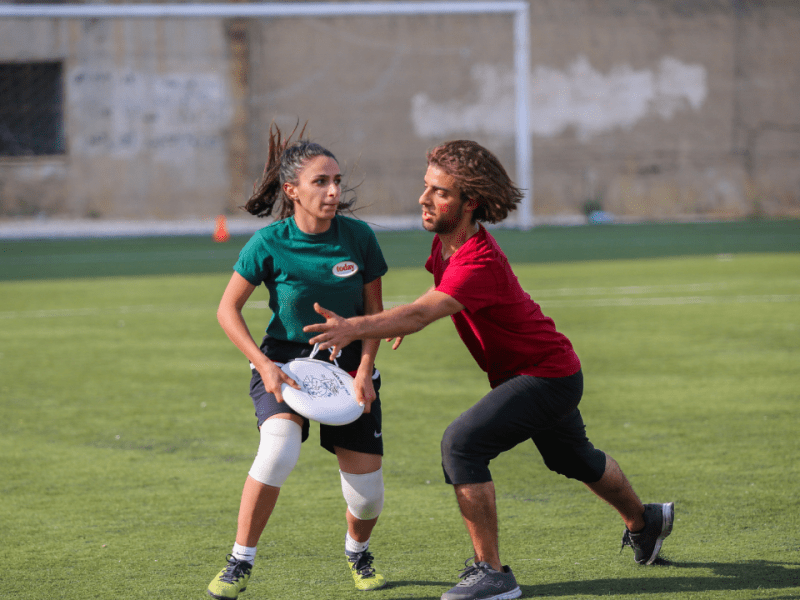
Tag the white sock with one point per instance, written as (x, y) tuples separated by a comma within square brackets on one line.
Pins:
[(352, 546), (247, 553)]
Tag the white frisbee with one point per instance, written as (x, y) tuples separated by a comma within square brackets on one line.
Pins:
[(327, 396)]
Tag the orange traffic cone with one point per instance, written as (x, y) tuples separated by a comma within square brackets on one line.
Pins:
[(221, 230)]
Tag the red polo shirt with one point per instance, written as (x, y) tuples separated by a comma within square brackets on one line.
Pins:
[(503, 328)]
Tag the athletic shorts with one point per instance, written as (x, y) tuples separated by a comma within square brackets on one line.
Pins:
[(362, 435), (544, 410)]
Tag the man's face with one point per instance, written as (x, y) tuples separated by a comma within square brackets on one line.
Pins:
[(442, 208)]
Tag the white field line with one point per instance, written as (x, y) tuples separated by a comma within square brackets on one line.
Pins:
[(633, 290), (621, 301), (675, 301), (98, 312), (662, 301), (556, 298), (627, 296)]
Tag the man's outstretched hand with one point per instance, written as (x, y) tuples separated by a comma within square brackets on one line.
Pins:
[(336, 332)]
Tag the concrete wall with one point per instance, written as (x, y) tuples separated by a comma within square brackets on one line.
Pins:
[(147, 107), (653, 108), (676, 107)]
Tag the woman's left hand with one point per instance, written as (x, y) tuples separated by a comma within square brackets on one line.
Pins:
[(365, 389)]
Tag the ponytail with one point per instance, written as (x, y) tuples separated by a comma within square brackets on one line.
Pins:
[(285, 160)]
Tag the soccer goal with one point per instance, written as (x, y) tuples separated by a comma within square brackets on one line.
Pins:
[(115, 126)]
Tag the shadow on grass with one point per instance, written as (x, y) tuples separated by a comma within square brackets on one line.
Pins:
[(439, 588), (749, 575)]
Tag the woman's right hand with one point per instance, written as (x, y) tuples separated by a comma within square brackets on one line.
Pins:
[(273, 378)]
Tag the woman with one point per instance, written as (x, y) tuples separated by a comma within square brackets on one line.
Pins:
[(296, 257)]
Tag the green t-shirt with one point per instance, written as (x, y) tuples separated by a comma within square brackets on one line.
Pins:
[(299, 269)]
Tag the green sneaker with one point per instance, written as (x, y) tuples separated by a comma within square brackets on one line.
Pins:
[(231, 580), (364, 576)]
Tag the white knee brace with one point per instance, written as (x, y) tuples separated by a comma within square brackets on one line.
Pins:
[(363, 493), (278, 451)]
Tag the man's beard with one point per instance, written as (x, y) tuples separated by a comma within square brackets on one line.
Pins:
[(444, 225)]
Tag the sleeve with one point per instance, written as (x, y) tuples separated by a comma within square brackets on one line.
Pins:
[(252, 263), (473, 283), (374, 263)]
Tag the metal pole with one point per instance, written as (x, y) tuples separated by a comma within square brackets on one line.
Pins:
[(524, 144), (267, 9)]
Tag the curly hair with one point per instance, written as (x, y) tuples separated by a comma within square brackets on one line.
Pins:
[(285, 161), (480, 177)]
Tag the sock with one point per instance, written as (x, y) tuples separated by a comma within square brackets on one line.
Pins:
[(244, 553), (353, 547)]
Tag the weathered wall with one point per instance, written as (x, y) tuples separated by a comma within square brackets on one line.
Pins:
[(147, 107), (357, 80), (694, 107), (653, 108)]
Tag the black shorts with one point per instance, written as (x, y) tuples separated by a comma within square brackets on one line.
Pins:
[(362, 435), (544, 410)]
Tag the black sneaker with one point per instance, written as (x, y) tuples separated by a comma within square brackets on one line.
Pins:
[(479, 581), (646, 543)]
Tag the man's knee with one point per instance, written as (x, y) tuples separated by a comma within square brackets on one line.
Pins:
[(459, 443), (463, 461), (452, 440), (585, 464)]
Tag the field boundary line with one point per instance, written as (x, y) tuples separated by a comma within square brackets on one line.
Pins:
[(97, 312), (676, 301)]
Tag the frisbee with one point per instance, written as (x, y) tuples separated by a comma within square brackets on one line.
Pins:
[(327, 395)]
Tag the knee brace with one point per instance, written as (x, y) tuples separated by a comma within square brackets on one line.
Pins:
[(278, 451), (363, 494)]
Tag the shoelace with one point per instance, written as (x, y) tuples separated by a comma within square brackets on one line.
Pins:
[(626, 540), (470, 574), (362, 564), (234, 570)]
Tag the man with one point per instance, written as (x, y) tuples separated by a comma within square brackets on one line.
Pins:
[(534, 373)]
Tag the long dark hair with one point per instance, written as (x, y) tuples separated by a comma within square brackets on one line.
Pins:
[(285, 160), (480, 176)]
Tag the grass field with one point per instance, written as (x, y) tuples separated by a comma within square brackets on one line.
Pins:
[(127, 431)]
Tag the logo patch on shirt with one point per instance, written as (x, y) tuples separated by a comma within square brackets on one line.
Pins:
[(346, 268)]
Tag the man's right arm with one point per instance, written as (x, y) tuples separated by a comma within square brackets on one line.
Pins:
[(336, 332), (410, 318)]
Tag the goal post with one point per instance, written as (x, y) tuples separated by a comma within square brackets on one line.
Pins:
[(519, 10)]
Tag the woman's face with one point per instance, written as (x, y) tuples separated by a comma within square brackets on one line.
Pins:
[(316, 194)]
